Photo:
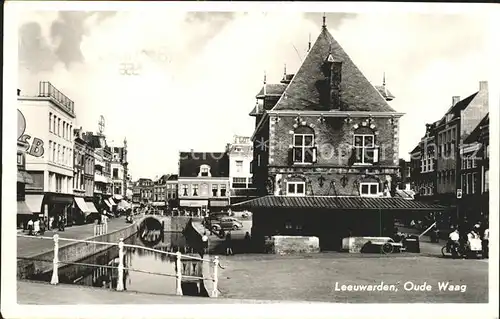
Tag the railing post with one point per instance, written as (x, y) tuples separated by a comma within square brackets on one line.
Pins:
[(55, 263), (119, 284), (179, 274), (216, 277)]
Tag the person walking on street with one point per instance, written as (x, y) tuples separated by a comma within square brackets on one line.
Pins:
[(247, 242), (36, 227), (30, 226), (229, 244), (51, 222), (486, 242), (204, 241)]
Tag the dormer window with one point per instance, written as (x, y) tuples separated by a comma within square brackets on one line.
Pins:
[(204, 171)]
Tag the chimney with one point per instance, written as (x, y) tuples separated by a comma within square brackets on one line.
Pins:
[(18, 92), (455, 100), (335, 79), (483, 85)]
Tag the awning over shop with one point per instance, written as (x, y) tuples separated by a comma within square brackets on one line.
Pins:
[(24, 177), (338, 203), (219, 203), (118, 197), (108, 204), (193, 203), (23, 209), (34, 203), (111, 201), (123, 205), (158, 204), (80, 202), (91, 207)]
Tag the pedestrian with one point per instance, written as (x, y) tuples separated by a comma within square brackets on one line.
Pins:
[(36, 226), (229, 244), (51, 222), (30, 226), (204, 241), (247, 242), (486, 242)]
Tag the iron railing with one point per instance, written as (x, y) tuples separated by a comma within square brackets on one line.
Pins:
[(121, 267), (46, 89)]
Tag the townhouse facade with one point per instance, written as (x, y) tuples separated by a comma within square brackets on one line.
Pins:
[(159, 192), (240, 153), (83, 178), (203, 182), (474, 177), (146, 186), (438, 178), (172, 191), (119, 171), (325, 153), (50, 150)]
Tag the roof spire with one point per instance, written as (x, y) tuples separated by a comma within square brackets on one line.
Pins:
[(309, 44), (284, 71), (324, 20), (383, 81)]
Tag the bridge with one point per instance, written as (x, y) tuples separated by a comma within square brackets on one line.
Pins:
[(190, 268)]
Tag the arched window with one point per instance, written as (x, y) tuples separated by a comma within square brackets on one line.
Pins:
[(365, 150), (304, 151)]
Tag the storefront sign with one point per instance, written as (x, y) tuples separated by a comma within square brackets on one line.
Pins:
[(193, 203), (33, 148)]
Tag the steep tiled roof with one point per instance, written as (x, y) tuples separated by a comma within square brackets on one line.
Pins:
[(455, 109), (305, 89), (173, 177), (273, 89), (416, 149), (474, 136), (341, 203), (190, 162)]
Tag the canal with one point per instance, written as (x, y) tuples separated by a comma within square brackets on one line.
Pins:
[(148, 272)]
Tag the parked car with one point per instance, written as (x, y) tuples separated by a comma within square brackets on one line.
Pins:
[(226, 223)]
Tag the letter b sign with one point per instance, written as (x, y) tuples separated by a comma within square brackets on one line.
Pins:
[(36, 149)]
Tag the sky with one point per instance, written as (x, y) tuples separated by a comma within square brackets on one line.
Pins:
[(197, 73)]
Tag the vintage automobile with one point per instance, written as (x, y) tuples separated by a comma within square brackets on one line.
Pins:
[(225, 223)]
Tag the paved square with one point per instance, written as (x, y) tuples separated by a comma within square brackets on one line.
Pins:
[(316, 277)]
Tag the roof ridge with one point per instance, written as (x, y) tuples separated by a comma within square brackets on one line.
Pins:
[(308, 88)]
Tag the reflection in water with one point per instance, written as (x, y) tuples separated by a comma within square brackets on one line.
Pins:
[(149, 272)]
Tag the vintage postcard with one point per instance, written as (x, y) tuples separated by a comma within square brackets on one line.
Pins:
[(251, 159)]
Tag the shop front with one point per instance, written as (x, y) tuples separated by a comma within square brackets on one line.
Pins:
[(59, 205), (24, 214), (93, 213), (218, 205), (80, 211), (193, 207)]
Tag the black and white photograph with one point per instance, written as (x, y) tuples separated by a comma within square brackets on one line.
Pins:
[(272, 154)]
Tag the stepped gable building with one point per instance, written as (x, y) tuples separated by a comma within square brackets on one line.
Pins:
[(325, 153)]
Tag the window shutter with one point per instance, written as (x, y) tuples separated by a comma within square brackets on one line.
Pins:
[(314, 154), (291, 152), (375, 154)]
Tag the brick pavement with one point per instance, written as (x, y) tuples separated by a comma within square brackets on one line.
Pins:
[(29, 247)]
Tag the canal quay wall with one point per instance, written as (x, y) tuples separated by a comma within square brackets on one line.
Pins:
[(72, 252)]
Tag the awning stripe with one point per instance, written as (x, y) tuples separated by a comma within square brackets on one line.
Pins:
[(34, 203), (91, 207), (110, 200), (23, 209), (80, 202), (108, 204), (341, 203)]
